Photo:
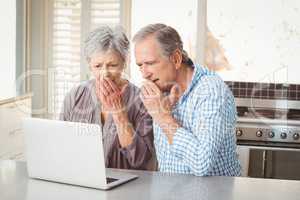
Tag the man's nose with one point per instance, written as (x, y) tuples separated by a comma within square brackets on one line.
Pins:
[(145, 73)]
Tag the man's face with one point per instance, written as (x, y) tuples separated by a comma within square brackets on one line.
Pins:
[(153, 65)]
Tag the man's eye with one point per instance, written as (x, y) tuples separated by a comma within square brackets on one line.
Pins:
[(97, 66), (150, 63)]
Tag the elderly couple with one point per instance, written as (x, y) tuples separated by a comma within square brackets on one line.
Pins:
[(182, 109)]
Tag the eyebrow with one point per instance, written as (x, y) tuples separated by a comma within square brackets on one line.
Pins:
[(109, 63), (147, 62)]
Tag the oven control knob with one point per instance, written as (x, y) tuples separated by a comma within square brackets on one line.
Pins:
[(296, 136), (271, 134), (259, 133), (239, 133), (283, 135)]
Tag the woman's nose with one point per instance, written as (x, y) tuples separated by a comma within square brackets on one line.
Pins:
[(104, 71)]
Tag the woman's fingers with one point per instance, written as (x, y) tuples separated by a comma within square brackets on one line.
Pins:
[(123, 89), (109, 94), (109, 86), (112, 85), (106, 86), (103, 90)]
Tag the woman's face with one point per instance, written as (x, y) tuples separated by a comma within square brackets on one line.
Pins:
[(107, 64)]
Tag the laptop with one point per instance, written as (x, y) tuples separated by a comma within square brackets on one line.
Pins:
[(68, 152)]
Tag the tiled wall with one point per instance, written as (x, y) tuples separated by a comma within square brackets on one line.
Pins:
[(265, 90)]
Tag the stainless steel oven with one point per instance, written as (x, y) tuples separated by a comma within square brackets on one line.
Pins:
[(268, 138)]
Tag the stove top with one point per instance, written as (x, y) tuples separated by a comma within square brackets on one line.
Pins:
[(268, 125), (287, 114)]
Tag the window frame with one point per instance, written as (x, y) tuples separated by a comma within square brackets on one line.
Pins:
[(125, 21)]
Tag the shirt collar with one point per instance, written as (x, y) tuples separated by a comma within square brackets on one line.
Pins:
[(199, 71)]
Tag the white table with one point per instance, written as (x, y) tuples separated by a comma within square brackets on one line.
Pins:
[(15, 185)]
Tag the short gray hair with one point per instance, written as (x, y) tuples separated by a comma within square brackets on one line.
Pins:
[(167, 37), (106, 38)]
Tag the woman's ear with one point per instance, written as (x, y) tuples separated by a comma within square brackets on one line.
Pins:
[(176, 58)]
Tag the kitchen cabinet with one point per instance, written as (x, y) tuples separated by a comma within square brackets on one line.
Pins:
[(11, 135)]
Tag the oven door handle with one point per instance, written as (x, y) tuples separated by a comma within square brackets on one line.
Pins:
[(263, 164), (270, 148)]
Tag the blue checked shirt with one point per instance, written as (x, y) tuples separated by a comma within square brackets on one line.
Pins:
[(205, 144)]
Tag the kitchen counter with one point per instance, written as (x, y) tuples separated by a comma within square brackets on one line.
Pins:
[(15, 185)]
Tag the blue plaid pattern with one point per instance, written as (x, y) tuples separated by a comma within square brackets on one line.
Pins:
[(205, 144)]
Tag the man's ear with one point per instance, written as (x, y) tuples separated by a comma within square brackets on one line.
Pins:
[(176, 58)]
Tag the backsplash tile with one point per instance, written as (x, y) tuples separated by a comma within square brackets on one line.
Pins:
[(264, 90)]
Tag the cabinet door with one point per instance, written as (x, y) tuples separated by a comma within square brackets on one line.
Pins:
[(12, 143), (257, 163), (283, 165)]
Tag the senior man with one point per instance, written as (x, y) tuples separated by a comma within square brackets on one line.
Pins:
[(193, 110)]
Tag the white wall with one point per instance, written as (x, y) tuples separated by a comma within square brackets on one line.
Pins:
[(182, 15), (7, 48), (261, 38)]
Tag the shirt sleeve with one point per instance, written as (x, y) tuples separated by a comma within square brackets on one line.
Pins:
[(66, 108), (68, 103), (199, 146), (141, 151)]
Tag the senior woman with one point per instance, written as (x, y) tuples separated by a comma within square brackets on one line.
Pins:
[(112, 102)]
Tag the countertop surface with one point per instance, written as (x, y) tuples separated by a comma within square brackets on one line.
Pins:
[(15, 184)]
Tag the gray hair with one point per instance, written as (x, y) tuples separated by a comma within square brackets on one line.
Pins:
[(167, 37), (106, 38)]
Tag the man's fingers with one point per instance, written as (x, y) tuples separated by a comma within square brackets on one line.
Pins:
[(153, 87), (174, 94), (144, 92)]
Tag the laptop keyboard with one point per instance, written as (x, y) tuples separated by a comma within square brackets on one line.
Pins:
[(110, 180)]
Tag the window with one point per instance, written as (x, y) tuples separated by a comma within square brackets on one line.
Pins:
[(70, 22), (104, 13)]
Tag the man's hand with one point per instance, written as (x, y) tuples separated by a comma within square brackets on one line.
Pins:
[(160, 106), (156, 103)]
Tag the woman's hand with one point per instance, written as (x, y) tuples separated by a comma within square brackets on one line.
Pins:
[(110, 96)]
